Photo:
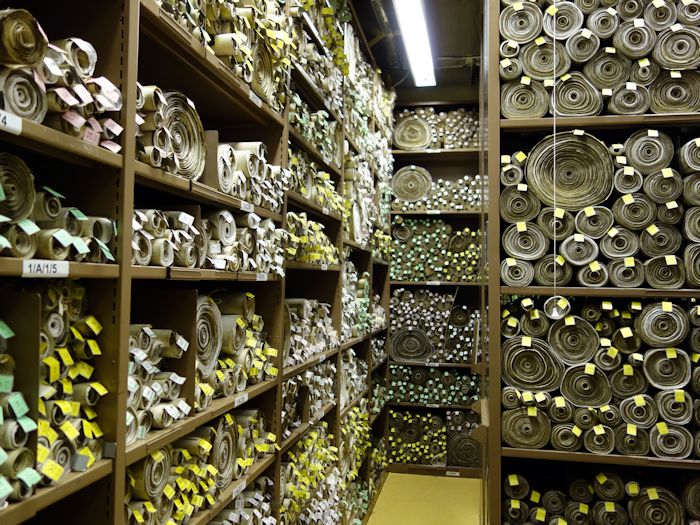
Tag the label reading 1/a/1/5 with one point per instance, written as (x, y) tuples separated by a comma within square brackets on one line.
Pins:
[(45, 269)]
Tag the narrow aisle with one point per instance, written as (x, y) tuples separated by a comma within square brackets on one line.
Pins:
[(411, 499)]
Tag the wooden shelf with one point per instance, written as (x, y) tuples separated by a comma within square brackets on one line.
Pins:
[(375, 366), (298, 432), (299, 201), (295, 370), (229, 493), (437, 283), (175, 273), (351, 141), (51, 142), (580, 291), (437, 406), (12, 267), (46, 496), (297, 138), (437, 154), (314, 34), (139, 41), (195, 191), (296, 265), (200, 62), (602, 459), (433, 364), (159, 438), (605, 121), (374, 417), (357, 340), (456, 213), (435, 470), (307, 88), (356, 246), (345, 410)]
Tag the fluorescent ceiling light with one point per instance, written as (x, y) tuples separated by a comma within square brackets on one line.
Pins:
[(414, 33)]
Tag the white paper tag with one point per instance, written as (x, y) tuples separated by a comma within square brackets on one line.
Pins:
[(240, 399), (261, 276), (247, 206), (10, 123), (183, 406), (324, 267), (33, 268), (255, 99)]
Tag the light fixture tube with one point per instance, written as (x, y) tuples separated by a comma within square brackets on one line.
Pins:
[(414, 32)]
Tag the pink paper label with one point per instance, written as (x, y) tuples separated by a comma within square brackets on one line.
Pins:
[(112, 126), (91, 136), (66, 96), (74, 119), (111, 146)]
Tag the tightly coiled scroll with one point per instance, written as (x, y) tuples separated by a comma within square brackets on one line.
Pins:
[(182, 121), (584, 170), (412, 133), (575, 96), (521, 430), (519, 100), (208, 331), (411, 183)]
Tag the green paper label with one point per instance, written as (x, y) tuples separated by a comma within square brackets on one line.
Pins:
[(5, 488), (27, 424), (19, 407), (29, 477), (52, 192), (6, 383), (75, 212), (105, 250), (28, 226), (63, 237), (5, 331), (80, 245)]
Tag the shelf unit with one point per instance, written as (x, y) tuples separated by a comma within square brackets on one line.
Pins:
[(449, 164), (135, 41), (510, 132)]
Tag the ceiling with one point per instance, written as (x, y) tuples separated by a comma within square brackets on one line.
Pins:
[(455, 29)]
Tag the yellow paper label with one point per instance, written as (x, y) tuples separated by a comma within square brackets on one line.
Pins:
[(662, 427)]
